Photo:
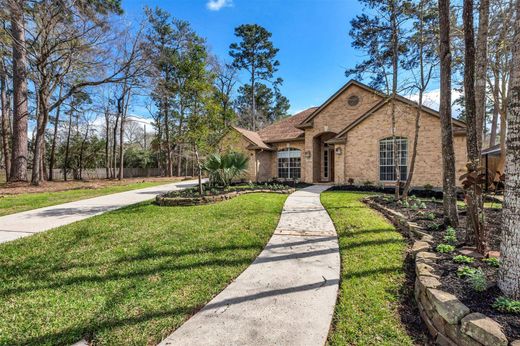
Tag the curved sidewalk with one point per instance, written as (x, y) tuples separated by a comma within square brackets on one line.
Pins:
[(287, 295), (26, 223)]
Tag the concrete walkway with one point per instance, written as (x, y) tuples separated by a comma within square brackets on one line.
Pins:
[(287, 296), (23, 224)]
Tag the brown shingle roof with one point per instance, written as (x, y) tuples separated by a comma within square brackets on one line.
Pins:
[(285, 129), (252, 137)]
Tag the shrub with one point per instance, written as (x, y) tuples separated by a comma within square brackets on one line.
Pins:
[(463, 259), (428, 187), (507, 305), (478, 280), (222, 169), (445, 248), (350, 181), (492, 261), (465, 271), (368, 183), (451, 235)]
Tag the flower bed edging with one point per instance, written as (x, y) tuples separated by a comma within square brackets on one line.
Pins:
[(163, 200), (448, 320)]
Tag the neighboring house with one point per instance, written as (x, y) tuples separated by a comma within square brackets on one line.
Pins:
[(348, 137)]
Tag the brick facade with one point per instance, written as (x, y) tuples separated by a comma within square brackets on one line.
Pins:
[(352, 132)]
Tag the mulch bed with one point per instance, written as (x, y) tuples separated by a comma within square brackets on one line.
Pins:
[(447, 269)]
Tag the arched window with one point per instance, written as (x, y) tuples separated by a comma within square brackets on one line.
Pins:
[(289, 163), (386, 158)]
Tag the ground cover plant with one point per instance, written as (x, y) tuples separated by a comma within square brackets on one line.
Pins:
[(10, 204), (469, 276), (372, 304), (131, 276)]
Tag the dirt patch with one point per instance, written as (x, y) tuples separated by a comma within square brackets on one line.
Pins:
[(52, 186), (429, 215)]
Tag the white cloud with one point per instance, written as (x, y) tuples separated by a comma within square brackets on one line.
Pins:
[(216, 5), (431, 99)]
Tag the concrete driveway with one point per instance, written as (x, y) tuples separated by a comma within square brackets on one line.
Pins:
[(23, 224)]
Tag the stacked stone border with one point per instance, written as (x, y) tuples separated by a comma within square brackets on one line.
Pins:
[(449, 321), (164, 200)]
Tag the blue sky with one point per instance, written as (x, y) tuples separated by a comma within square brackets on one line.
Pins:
[(312, 36)]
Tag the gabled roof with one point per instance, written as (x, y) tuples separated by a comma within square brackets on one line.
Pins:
[(253, 138), (306, 121), (285, 129), (459, 130)]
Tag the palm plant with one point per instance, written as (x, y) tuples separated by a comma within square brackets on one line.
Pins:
[(222, 169)]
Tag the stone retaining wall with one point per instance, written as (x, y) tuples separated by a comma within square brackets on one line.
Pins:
[(164, 200), (449, 321)]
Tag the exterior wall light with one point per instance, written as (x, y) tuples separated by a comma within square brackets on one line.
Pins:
[(338, 151), (308, 154)]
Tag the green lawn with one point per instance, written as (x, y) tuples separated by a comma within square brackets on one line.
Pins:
[(10, 204), (372, 256), (128, 277)]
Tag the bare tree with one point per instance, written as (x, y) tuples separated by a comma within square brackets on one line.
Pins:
[(448, 154), (6, 118), (481, 69)]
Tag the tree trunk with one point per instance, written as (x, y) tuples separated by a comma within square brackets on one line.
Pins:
[(54, 141), (496, 112), (5, 122), (43, 117), (81, 153), (448, 154), (481, 70), (474, 227), (20, 93), (67, 147), (114, 147), (169, 163), (107, 144), (509, 272), (395, 71), (199, 169)]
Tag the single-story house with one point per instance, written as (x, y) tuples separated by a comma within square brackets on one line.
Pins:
[(348, 138)]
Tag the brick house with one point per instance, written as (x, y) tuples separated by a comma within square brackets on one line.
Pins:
[(348, 137)]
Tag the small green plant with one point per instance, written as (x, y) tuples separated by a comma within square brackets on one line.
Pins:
[(445, 248), (507, 305), (451, 235), (463, 259), (478, 280), (492, 261), (465, 271), (433, 199), (405, 204), (435, 226), (414, 207), (422, 205), (431, 216)]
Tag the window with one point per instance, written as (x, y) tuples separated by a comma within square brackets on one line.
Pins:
[(386, 158), (353, 101), (289, 163)]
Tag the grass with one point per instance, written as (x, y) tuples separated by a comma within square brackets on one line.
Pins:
[(128, 277), (372, 256), (10, 204)]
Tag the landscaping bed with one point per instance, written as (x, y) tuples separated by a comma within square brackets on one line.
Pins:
[(456, 272), (212, 194)]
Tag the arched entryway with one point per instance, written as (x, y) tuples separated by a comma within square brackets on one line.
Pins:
[(323, 158)]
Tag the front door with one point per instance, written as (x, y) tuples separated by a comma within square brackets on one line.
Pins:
[(328, 163)]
